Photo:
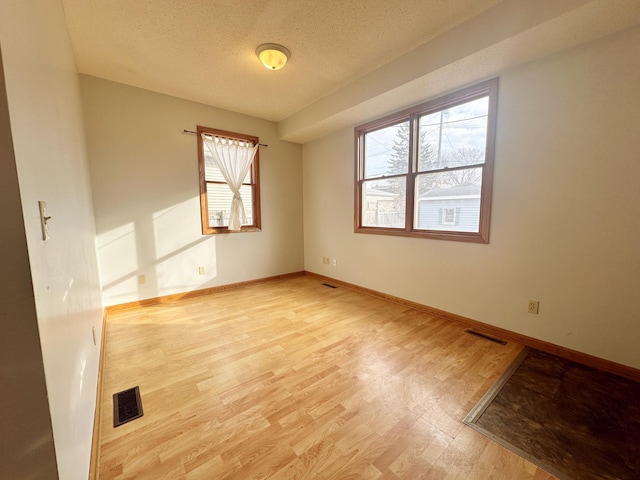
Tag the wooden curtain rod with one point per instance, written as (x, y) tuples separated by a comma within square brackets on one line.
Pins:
[(191, 132)]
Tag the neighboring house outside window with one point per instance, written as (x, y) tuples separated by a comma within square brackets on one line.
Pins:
[(457, 206), (215, 194), (427, 171)]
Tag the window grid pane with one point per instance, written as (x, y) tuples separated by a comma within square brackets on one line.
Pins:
[(454, 137), (212, 172), (449, 201), (219, 199), (384, 203), (387, 151)]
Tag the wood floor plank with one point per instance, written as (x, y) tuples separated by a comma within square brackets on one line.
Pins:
[(290, 379)]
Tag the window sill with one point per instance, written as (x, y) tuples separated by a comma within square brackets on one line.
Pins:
[(432, 234), (220, 230)]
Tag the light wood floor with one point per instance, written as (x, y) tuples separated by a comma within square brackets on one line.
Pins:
[(294, 380)]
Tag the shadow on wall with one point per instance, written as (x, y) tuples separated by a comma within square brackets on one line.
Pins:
[(156, 255)]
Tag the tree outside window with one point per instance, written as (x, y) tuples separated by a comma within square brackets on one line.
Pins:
[(437, 158)]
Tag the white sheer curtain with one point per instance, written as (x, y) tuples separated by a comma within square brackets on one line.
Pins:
[(233, 158)]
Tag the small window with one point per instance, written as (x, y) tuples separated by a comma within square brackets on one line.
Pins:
[(215, 193), (449, 216), (427, 171)]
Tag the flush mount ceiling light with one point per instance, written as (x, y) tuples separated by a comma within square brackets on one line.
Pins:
[(272, 55)]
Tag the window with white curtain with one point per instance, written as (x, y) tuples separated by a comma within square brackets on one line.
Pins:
[(229, 181)]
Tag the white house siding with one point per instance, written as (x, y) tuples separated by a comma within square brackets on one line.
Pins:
[(467, 214)]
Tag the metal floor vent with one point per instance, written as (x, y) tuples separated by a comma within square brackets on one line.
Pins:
[(127, 406), (486, 337), (330, 286)]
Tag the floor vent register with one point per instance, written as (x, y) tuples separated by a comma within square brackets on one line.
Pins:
[(127, 406)]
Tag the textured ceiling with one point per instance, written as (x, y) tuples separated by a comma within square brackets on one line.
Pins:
[(351, 60), (204, 50)]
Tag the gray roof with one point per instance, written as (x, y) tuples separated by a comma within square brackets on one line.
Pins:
[(466, 190)]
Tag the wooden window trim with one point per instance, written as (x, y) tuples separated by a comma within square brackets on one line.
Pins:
[(487, 88), (255, 183)]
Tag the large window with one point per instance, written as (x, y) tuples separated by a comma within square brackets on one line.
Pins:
[(427, 171), (216, 195)]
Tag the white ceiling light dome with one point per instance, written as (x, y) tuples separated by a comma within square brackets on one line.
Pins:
[(273, 56)]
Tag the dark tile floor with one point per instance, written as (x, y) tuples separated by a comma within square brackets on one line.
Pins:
[(576, 422)]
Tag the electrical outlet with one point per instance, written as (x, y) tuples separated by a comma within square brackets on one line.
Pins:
[(325, 260), (141, 279), (201, 270), (533, 306), (334, 262)]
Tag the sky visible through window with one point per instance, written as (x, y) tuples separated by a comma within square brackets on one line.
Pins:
[(463, 126)]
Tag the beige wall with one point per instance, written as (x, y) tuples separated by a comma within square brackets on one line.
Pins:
[(144, 172), (565, 221), (26, 441), (50, 157), (564, 227)]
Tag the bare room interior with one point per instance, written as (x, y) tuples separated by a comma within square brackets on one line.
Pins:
[(317, 341)]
